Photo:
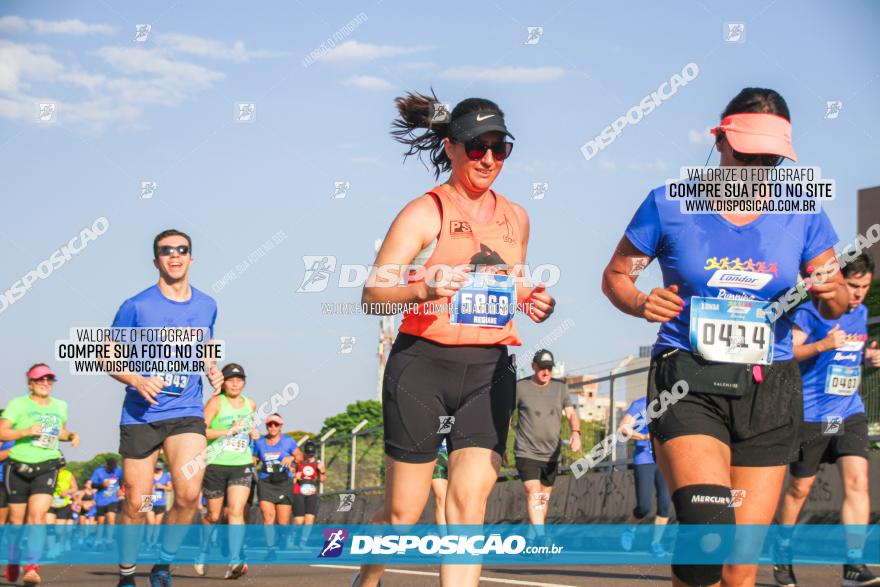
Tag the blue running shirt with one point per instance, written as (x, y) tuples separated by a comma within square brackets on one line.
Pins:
[(151, 308), (707, 256)]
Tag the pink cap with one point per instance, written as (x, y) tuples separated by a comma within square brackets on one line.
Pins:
[(275, 418), (758, 133), (40, 371)]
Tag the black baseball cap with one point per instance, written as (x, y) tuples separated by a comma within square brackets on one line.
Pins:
[(473, 124), (233, 370), (544, 358)]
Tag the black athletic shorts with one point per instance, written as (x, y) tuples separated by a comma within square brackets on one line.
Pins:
[(305, 504), (4, 499), (138, 441), (426, 382), (219, 477), (19, 489), (110, 508), (277, 493), (760, 427), (821, 442), (62, 513), (530, 469), (160, 509)]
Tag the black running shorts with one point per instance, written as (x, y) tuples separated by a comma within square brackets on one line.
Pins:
[(430, 390)]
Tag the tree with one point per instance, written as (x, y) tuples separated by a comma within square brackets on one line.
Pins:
[(83, 470), (344, 422)]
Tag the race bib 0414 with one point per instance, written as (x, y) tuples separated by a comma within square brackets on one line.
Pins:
[(731, 330)]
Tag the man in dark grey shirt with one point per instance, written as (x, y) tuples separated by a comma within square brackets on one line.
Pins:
[(542, 402)]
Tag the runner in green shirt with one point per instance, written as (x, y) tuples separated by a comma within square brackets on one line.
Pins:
[(36, 423)]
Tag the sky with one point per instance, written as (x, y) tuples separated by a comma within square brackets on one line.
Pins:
[(164, 109)]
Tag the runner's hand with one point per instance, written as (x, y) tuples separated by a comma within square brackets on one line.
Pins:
[(74, 439), (662, 304), (149, 388), (287, 462), (835, 339), (872, 355), (254, 433), (574, 442), (440, 284), (35, 430), (215, 376), (540, 304), (822, 291)]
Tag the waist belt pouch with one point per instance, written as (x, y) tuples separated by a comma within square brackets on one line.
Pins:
[(710, 377), (31, 471)]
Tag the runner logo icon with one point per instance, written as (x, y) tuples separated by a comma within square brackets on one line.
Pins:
[(334, 541)]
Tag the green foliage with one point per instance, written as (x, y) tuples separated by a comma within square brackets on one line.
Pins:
[(83, 470), (353, 415)]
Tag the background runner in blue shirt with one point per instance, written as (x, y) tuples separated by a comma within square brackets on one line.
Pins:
[(106, 481), (834, 427), (277, 454), (647, 477)]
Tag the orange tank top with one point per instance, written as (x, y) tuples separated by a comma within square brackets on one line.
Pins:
[(491, 248)]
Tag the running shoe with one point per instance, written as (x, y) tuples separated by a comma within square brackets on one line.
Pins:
[(784, 575), (160, 578), (127, 581), (858, 576), (199, 565), (234, 571), (31, 575), (12, 572), (658, 549), (626, 539)]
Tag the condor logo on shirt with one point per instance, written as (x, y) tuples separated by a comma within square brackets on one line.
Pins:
[(742, 279), (460, 228)]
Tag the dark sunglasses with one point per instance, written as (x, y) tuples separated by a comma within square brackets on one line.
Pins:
[(166, 250), (476, 149), (749, 158), (46, 379), (272, 424)]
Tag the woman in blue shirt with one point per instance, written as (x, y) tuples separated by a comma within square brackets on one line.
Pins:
[(727, 362)]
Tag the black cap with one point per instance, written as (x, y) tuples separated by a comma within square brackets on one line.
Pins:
[(233, 370), (473, 124), (544, 358)]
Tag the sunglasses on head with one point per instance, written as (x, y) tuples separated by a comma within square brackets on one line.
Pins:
[(166, 250), (476, 149)]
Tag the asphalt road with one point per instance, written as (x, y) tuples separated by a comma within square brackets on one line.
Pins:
[(421, 576)]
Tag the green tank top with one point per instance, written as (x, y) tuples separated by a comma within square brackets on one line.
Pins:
[(62, 485), (233, 449)]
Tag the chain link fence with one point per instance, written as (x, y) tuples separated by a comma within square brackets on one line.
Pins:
[(366, 470)]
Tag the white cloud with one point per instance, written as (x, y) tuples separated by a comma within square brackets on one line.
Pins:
[(698, 138), (368, 82), (503, 75), (358, 52), (13, 24), (204, 47), (73, 26), (418, 65), (19, 62)]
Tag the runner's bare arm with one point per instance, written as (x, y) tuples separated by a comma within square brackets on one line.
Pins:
[(831, 297), (415, 227), (626, 428), (803, 351), (7, 433), (619, 286), (211, 409)]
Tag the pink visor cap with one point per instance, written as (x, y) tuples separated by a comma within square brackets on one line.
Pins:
[(758, 133), (40, 371)]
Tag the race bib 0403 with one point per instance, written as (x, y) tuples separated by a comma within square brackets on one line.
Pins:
[(731, 330), (486, 299), (842, 380), (237, 443)]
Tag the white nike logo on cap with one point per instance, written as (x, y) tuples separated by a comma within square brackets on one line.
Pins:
[(481, 118)]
